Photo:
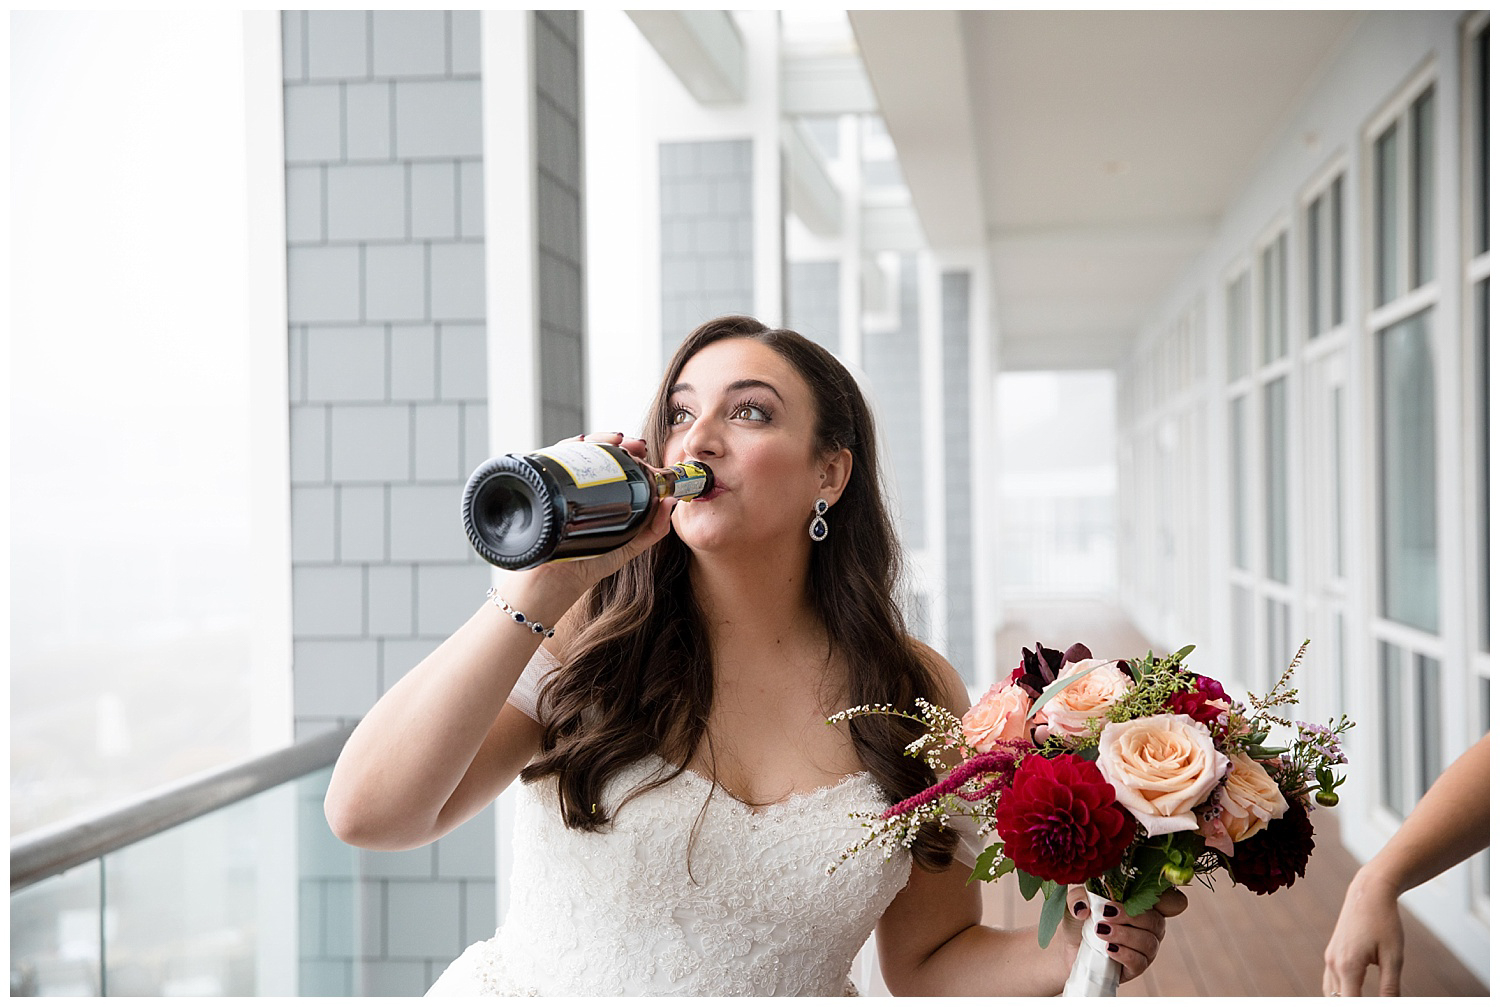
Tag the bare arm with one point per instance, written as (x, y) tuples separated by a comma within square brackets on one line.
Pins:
[(442, 742), (1449, 824), (931, 942)]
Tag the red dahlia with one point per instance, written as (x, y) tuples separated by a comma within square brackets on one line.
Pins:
[(1195, 702), (1060, 821), (1276, 856)]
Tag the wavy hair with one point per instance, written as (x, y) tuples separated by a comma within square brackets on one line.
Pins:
[(637, 680)]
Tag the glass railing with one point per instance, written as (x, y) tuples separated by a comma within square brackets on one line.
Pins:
[(209, 906)]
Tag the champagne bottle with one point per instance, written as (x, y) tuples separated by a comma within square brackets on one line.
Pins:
[(568, 501)]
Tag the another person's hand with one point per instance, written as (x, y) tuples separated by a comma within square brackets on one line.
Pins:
[(1135, 939), (1368, 933)]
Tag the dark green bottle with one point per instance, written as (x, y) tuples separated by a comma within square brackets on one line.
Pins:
[(568, 501)]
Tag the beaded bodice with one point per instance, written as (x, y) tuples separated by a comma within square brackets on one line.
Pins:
[(745, 906)]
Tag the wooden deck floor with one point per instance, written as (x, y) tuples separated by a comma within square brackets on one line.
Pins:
[(1231, 942)]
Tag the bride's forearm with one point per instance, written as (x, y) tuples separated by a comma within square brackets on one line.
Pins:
[(982, 960)]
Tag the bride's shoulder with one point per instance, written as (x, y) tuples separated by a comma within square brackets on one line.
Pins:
[(954, 693)]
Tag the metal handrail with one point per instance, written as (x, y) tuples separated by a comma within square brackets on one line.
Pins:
[(42, 853)]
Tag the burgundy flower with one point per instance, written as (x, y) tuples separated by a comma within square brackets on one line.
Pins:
[(1060, 821), (1196, 703), (1039, 670), (1276, 856)]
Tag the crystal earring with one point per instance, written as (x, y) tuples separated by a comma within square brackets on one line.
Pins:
[(818, 530)]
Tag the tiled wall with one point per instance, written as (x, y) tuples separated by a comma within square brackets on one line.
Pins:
[(560, 218), (958, 474), (893, 361), (707, 246), (812, 301), (386, 304)]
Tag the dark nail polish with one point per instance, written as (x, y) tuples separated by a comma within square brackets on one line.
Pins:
[(1111, 911), (1079, 907), (1102, 929), (1113, 948)]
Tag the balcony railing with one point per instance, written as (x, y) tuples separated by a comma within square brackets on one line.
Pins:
[(191, 890)]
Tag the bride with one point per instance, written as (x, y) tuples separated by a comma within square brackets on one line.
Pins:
[(682, 795)]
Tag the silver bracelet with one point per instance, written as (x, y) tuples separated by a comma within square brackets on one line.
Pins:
[(518, 617)]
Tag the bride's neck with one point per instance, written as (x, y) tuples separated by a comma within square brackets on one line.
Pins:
[(748, 603)]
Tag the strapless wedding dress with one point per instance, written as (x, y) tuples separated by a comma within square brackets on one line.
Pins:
[(744, 906)]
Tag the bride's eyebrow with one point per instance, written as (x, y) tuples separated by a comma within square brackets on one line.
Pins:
[(734, 386)]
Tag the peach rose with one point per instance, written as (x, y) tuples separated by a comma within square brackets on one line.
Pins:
[(1251, 798), (1068, 713), (1161, 767), (1000, 715)]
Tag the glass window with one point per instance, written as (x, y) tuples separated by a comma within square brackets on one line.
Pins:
[(1428, 707), (1336, 250), (1482, 141), (1273, 341), (1276, 480), (1237, 312), (1423, 187), (1482, 452), (1338, 481), (1278, 639), (1242, 627), (1325, 253), (1392, 741), (1239, 463), (141, 388), (1387, 218), (1408, 474), (1341, 664), (1315, 267)]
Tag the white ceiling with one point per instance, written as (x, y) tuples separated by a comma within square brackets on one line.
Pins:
[(1093, 153)]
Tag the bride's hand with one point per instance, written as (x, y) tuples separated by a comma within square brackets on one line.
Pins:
[(571, 580), (1133, 940)]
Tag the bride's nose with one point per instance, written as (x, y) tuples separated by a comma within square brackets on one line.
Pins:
[(704, 439)]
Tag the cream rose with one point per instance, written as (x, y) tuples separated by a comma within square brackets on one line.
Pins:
[(1068, 713), (1250, 799), (1161, 767), (1000, 715)]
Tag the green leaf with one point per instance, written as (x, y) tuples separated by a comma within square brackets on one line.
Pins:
[(992, 864), (1054, 689), (1052, 914), (1144, 893), (1029, 885)]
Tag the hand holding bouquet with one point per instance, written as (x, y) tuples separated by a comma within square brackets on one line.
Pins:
[(1129, 777)]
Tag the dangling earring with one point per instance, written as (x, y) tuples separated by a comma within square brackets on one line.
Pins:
[(818, 530)]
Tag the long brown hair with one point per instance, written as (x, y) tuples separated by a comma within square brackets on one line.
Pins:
[(638, 678)]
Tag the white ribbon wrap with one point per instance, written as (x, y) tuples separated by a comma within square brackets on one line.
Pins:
[(1094, 974)]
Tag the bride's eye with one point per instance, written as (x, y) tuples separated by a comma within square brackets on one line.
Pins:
[(677, 415), (751, 411)]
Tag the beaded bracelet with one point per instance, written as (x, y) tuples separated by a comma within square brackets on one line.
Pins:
[(494, 595)]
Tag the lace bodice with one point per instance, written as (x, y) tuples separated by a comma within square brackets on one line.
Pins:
[(626, 911)]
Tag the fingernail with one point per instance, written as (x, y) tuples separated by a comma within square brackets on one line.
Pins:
[(1113, 948), (1111, 911), (1102, 929), (1079, 907)]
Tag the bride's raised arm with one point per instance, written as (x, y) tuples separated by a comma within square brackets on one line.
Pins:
[(443, 741)]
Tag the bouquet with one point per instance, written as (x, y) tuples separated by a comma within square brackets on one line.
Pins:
[(1128, 777)]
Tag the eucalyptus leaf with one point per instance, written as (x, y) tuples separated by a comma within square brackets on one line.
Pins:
[(1054, 689), (1029, 884), (1052, 914)]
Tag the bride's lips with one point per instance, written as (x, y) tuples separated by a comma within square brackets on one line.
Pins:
[(718, 490)]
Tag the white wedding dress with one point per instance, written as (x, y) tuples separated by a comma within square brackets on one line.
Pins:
[(746, 906)]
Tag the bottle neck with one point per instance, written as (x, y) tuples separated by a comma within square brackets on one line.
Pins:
[(685, 481)]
